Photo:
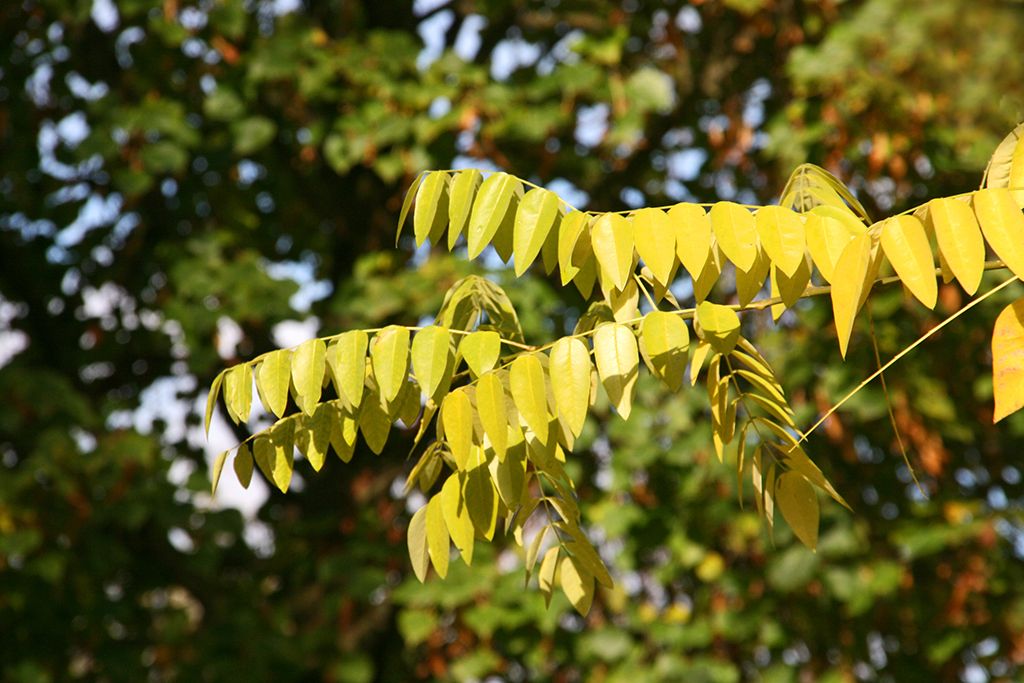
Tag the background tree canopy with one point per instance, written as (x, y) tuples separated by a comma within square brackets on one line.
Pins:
[(188, 184)]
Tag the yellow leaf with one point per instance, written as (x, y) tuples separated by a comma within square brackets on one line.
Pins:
[(848, 286), (700, 354), (238, 392), (549, 250), (829, 230), (489, 210), (416, 537), (272, 378), (211, 398), (736, 233), (570, 371), (437, 537), (526, 380), (905, 244), (612, 240), (577, 584), (692, 229), (799, 506), (625, 303), (457, 420), (789, 288), (456, 515), (709, 274), (407, 203), (509, 475), (275, 455), (585, 278), (782, 235), (431, 214), (750, 282), (1008, 360), (546, 573), (218, 468), (375, 423), (480, 349), (431, 357), (719, 324), (346, 358), (655, 242), (959, 237), (490, 404), (463, 191), (1003, 226), (480, 495), (535, 217), (573, 244), (390, 359), (243, 465), (615, 351), (664, 343), (313, 435), (308, 368), (344, 429)]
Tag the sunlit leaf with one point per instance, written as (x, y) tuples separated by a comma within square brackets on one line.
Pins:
[(617, 358), (346, 357), (431, 358), (456, 515), (719, 325), (238, 392), (390, 358), (490, 405), (273, 377), (457, 419), (612, 239), (664, 343), (1008, 360), (462, 194), (490, 207), (534, 219), (431, 214), (906, 246), (692, 227), (570, 371), (799, 506), (480, 350), (243, 465), (848, 286), (1002, 223), (526, 379), (416, 537), (736, 233), (308, 368), (781, 232), (655, 242), (828, 231), (438, 544), (960, 242)]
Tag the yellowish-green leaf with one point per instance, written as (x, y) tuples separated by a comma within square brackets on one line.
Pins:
[(585, 278), (664, 343), (431, 356), (692, 228), (549, 250), (490, 404), (462, 194), (437, 537), (612, 239), (546, 573), (273, 378), (736, 233), (346, 358), (419, 555), (481, 350), (719, 325), (799, 506), (457, 421), (480, 494), (431, 214), (1002, 223), (782, 235), (308, 368), (492, 203), (850, 272), (505, 234), (829, 230), (960, 242), (709, 274), (313, 436), (344, 428), (509, 475), (238, 392), (535, 217), (211, 398), (577, 584), (456, 515), (618, 360), (625, 303), (655, 242), (275, 455), (570, 369), (1008, 360), (243, 465), (526, 380), (905, 244), (407, 203), (390, 359), (218, 468), (375, 423), (573, 244)]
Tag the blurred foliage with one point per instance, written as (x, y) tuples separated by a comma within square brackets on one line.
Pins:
[(175, 169)]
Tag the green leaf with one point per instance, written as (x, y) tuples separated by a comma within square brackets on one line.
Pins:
[(736, 233), (480, 350), (390, 359), (419, 555), (437, 537), (211, 398), (431, 215), (238, 392), (799, 506), (1008, 360), (243, 465), (611, 238), (656, 242), (535, 217), (431, 358), (1002, 223), (664, 342), (456, 515), (570, 370), (526, 380), (493, 411), (273, 378), (781, 232), (218, 467), (719, 324), (617, 359), (457, 422), (461, 197), (346, 358), (308, 368), (489, 209), (905, 244)]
